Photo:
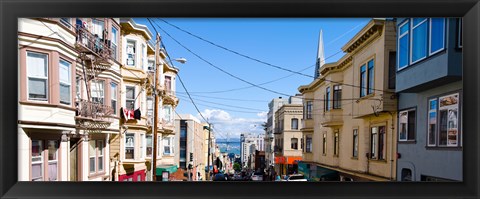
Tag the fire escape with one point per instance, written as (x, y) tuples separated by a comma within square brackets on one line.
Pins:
[(95, 55)]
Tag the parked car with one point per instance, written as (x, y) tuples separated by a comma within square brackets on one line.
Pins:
[(220, 177), (257, 176), (296, 177)]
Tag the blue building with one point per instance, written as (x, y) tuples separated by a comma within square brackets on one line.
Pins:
[(429, 88)]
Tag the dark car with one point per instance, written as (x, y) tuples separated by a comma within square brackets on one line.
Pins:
[(220, 177)]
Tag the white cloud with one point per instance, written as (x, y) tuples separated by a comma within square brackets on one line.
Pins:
[(262, 114), (226, 125)]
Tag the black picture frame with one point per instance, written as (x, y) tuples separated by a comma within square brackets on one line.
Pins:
[(11, 10)]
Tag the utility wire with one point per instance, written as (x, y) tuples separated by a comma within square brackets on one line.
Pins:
[(222, 108), (231, 99), (232, 106)]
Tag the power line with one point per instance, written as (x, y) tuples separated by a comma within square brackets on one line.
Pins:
[(232, 99), (223, 108), (229, 105), (235, 52)]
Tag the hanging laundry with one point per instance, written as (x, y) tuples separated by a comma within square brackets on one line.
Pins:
[(137, 115)]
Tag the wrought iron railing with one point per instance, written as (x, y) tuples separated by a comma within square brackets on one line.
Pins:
[(94, 43), (93, 110)]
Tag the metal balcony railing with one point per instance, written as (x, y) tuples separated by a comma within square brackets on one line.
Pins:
[(87, 41), (93, 110)]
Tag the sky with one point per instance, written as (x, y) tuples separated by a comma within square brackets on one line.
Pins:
[(231, 105)]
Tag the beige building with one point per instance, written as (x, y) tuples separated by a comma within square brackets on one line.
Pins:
[(69, 72), (350, 123), (288, 138)]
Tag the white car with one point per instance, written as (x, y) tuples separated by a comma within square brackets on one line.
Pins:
[(296, 177), (257, 177)]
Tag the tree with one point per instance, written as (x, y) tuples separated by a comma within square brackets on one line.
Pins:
[(237, 167)]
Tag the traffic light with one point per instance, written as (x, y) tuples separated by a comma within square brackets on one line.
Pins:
[(191, 157)]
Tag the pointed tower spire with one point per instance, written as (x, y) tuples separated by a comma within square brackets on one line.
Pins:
[(320, 54)]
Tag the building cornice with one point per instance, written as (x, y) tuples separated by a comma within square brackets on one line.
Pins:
[(370, 31)]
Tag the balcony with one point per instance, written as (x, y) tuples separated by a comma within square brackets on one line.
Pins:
[(169, 97), (168, 127), (97, 50), (93, 115), (333, 117)]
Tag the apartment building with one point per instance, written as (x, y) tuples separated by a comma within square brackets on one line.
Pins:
[(429, 86), (288, 136), (69, 71), (350, 111), (270, 127), (248, 144), (191, 142)]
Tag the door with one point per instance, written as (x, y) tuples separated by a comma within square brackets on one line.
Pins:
[(74, 159)]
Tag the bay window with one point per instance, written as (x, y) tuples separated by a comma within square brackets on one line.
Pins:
[(65, 82), (168, 114), (37, 71), (114, 38), (363, 80), (130, 97), (327, 99), (98, 91), (337, 96), (443, 121), (419, 38), (407, 125), (129, 146), (113, 97), (130, 53)]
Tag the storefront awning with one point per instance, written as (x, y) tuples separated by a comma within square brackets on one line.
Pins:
[(293, 159), (169, 168), (326, 174)]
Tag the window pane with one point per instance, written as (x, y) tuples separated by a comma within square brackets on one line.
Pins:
[(91, 148), (417, 21), (37, 65), (92, 164), (403, 48), (114, 35), (370, 76), (64, 72), (52, 149), (363, 81), (411, 125), (437, 34), (404, 28), (381, 142), (419, 42), (37, 148), (65, 94), (36, 171), (100, 147), (403, 125), (130, 92), (37, 88), (443, 118), (98, 28), (52, 171), (100, 163)]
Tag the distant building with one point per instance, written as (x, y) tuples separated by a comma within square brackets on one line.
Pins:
[(269, 140), (248, 144)]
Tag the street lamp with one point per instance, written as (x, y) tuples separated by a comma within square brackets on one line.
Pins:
[(181, 60)]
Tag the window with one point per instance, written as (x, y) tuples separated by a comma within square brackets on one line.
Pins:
[(403, 44), (130, 146), (130, 53), (168, 146), (66, 22), (78, 87), (130, 97), (419, 39), (302, 144), (37, 160), (406, 175), (149, 139), (370, 77), (97, 28), (96, 156), (37, 71), (113, 97), (437, 35), (65, 82), (355, 143), (168, 114), (324, 152), (443, 121), (294, 124), (377, 143), (363, 80), (98, 94), (168, 84), (337, 96), (308, 143), (427, 38), (407, 125), (142, 146), (335, 143), (294, 143), (52, 147), (151, 65), (114, 40), (327, 99), (309, 109)]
